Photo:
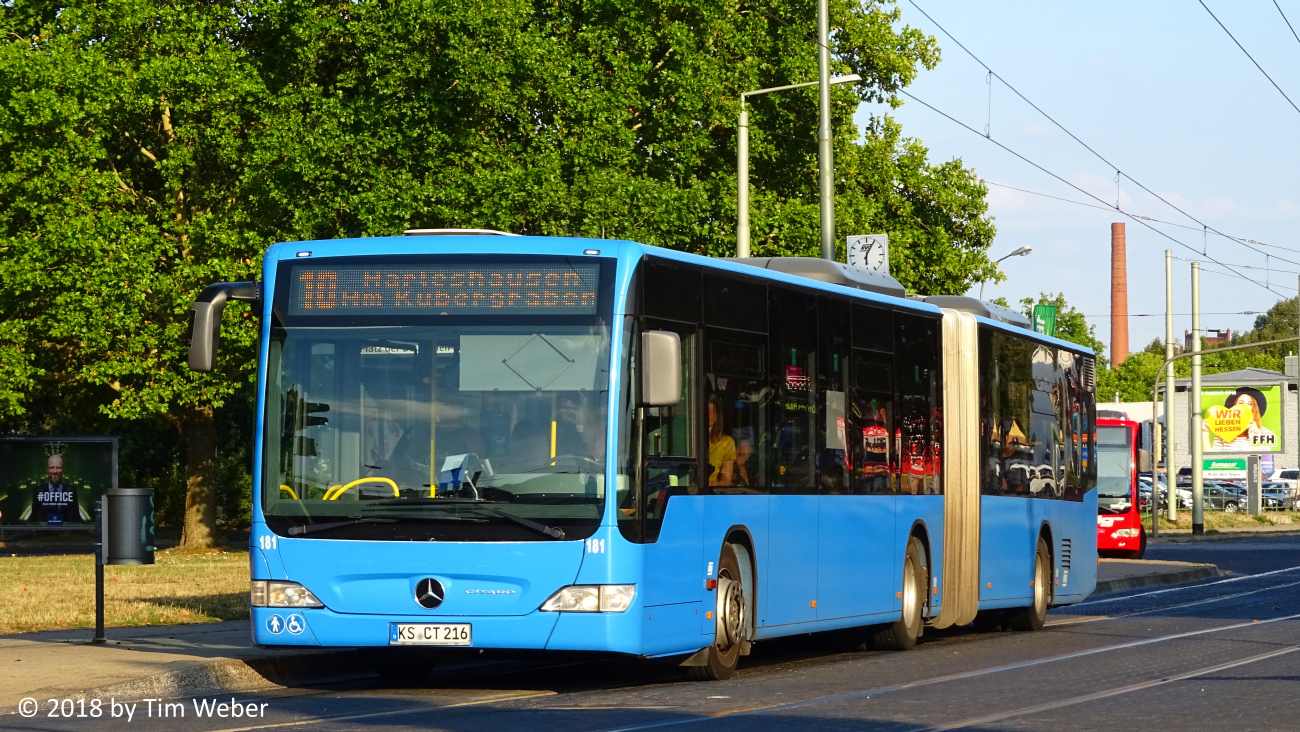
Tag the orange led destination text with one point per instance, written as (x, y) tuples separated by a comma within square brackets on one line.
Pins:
[(321, 289)]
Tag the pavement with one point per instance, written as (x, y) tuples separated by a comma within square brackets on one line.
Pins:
[(188, 660), (159, 661), (1235, 530)]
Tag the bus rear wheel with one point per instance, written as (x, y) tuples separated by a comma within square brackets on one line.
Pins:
[(1141, 551), (1034, 616), (729, 623), (902, 634)]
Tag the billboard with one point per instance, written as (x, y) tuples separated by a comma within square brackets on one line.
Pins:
[(54, 481), (1242, 419)]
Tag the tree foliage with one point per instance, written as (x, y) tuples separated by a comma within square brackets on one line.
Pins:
[(153, 148)]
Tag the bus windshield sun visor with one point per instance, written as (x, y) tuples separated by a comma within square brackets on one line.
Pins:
[(205, 323)]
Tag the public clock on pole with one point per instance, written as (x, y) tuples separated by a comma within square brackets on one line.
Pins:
[(870, 251)]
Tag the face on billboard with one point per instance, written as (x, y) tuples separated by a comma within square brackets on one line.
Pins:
[(53, 482), (1245, 419)]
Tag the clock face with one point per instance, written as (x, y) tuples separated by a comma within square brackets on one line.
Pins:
[(871, 252), (875, 258)]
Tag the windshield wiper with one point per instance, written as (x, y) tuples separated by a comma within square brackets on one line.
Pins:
[(313, 528), (540, 528)]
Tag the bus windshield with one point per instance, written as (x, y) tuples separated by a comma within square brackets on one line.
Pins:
[(473, 426), (1114, 465)]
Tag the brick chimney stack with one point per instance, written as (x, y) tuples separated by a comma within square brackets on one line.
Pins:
[(1118, 296)]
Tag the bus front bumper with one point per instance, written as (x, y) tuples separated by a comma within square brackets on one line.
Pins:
[(608, 632)]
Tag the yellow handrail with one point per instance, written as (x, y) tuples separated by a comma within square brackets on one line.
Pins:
[(284, 488), (333, 493)]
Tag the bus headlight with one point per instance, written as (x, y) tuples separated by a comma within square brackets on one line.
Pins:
[(590, 599), (1126, 534), (278, 593)]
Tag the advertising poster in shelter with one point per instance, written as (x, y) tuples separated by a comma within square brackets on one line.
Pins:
[(1246, 419), (54, 481)]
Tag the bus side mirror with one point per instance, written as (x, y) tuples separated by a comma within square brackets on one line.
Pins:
[(661, 368), (1144, 461), (205, 322)]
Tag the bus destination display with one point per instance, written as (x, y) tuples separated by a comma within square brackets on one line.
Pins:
[(471, 289)]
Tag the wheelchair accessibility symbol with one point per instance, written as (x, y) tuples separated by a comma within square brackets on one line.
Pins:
[(274, 624), (295, 624)]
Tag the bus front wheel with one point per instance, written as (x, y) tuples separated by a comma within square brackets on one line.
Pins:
[(1034, 616), (901, 635), (729, 623)]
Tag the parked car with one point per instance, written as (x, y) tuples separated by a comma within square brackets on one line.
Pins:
[(1289, 477), (1223, 497), (1276, 496), (1144, 490)]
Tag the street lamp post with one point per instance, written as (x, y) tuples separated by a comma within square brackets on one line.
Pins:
[(742, 158), (1022, 251)]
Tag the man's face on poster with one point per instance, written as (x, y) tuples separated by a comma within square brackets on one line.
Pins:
[(54, 469)]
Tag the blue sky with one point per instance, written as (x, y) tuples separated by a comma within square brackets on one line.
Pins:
[(1163, 93)]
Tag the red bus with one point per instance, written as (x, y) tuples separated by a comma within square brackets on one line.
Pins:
[(1119, 458)]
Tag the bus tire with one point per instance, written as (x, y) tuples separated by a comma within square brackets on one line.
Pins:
[(901, 635), (1142, 545), (1034, 616), (729, 623)]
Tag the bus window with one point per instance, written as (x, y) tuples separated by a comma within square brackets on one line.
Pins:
[(835, 422), (791, 459), (735, 378), (875, 463), (666, 447), (917, 434)]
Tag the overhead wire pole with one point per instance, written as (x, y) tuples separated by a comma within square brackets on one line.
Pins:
[(825, 151), (1196, 419), (1171, 441)]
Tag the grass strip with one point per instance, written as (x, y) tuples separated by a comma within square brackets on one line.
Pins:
[(184, 586)]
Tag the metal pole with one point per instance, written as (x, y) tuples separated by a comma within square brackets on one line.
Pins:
[(742, 181), (1155, 476), (1197, 420), (824, 150), (99, 572), (1171, 434)]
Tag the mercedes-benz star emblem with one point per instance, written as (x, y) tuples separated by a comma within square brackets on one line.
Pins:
[(429, 593)]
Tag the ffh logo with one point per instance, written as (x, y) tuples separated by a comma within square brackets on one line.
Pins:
[(429, 593)]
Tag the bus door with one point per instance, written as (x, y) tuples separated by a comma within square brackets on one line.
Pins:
[(857, 506), (790, 570), (667, 504)]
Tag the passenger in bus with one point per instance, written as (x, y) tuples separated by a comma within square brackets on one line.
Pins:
[(722, 448), (744, 439), (1015, 466)]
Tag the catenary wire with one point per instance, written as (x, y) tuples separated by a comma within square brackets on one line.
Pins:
[(1252, 58), (1144, 218), (1287, 20), (1139, 219), (1075, 187), (1085, 145)]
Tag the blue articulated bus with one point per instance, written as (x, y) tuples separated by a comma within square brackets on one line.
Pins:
[(505, 442)]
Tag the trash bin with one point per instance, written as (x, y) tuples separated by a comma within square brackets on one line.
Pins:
[(129, 530)]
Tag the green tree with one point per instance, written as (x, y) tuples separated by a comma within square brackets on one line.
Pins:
[(154, 148), (1280, 321)]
